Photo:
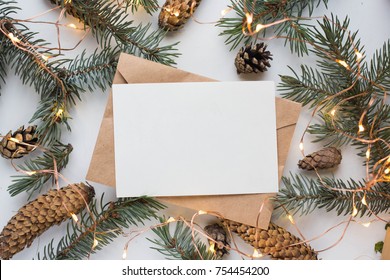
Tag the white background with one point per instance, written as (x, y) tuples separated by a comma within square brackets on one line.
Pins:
[(204, 53)]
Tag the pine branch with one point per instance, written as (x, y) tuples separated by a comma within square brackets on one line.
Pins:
[(265, 12), (35, 182), (6, 10), (27, 62), (3, 62), (109, 22), (303, 195), (150, 6), (180, 246), (110, 220), (379, 70), (95, 71)]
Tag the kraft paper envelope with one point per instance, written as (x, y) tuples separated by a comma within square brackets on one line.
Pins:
[(241, 208), (386, 246)]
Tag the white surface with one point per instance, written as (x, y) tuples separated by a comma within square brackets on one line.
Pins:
[(195, 138), (203, 52)]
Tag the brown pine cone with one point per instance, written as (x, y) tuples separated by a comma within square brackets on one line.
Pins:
[(175, 13), (84, 7), (275, 241), (68, 7), (39, 215), (10, 146), (326, 158), (253, 59), (218, 233)]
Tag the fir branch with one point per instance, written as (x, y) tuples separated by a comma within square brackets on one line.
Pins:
[(95, 71), (181, 245), (109, 221), (3, 62), (27, 61), (35, 182), (109, 22), (265, 12), (379, 70), (303, 195), (150, 6)]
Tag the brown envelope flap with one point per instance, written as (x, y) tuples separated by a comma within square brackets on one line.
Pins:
[(102, 168)]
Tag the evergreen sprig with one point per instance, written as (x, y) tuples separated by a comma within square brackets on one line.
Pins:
[(56, 158), (108, 223), (323, 87), (150, 6), (303, 195), (109, 22), (350, 87), (265, 12), (93, 72), (181, 245)]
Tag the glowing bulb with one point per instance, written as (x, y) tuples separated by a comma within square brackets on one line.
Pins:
[(387, 171), (364, 202), (291, 219), (256, 254), (368, 153), (176, 13), (13, 38), (201, 212), (74, 217), (343, 63), (355, 211), (95, 243), (30, 173), (259, 27), (212, 248), (366, 224), (249, 18), (225, 11), (171, 220), (72, 25), (361, 128), (124, 255), (59, 113), (359, 55), (13, 140), (333, 112), (45, 57), (301, 146)]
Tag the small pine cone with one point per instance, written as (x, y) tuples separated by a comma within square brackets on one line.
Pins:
[(253, 59), (218, 233), (275, 241), (10, 146), (175, 13), (83, 7), (326, 158), (39, 215)]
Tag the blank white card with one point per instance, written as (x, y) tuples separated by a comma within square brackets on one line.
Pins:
[(177, 139)]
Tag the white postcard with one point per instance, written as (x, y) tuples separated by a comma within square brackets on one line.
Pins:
[(181, 139)]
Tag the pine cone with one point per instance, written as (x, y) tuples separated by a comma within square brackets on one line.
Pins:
[(39, 215), (253, 59), (175, 13), (275, 241), (11, 148), (218, 233), (326, 158), (76, 13)]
